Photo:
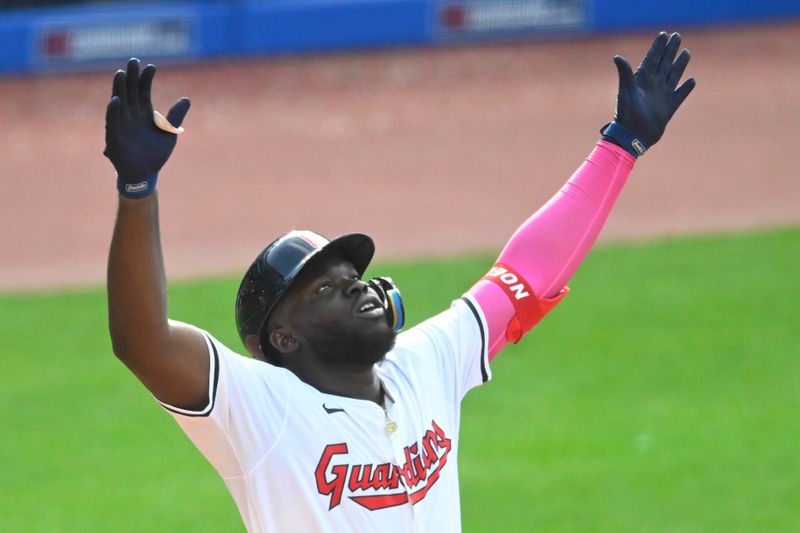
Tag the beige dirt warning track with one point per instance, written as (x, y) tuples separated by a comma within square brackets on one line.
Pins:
[(432, 151)]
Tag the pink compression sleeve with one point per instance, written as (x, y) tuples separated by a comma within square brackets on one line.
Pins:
[(548, 248)]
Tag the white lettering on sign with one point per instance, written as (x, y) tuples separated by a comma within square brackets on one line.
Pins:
[(160, 37), (511, 15), (509, 279)]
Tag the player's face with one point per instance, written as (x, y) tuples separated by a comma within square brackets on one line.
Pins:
[(338, 315)]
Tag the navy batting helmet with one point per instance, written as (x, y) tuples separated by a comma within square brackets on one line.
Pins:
[(271, 275)]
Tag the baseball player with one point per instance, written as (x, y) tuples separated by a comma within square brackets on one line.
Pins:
[(336, 422)]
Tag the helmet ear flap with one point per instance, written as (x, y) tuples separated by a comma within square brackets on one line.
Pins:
[(392, 301)]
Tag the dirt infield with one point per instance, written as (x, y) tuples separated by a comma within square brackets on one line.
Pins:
[(433, 151)]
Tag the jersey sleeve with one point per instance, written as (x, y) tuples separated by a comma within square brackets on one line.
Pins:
[(245, 413), (448, 351)]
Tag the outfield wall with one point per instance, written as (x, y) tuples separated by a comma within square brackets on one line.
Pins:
[(85, 37)]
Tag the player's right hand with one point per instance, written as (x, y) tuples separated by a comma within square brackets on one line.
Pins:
[(136, 147)]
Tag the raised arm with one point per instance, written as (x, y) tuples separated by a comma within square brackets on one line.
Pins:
[(170, 358), (530, 276)]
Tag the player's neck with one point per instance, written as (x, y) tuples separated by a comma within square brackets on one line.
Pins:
[(363, 383)]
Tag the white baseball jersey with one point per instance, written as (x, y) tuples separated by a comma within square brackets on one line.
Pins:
[(297, 459)]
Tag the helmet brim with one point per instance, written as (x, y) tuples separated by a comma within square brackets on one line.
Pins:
[(358, 248)]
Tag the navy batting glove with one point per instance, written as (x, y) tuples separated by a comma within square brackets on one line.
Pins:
[(136, 147), (647, 100)]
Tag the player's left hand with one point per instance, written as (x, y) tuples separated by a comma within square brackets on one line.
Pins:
[(647, 99)]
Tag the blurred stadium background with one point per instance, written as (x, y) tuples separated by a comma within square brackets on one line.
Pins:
[(662, 396)]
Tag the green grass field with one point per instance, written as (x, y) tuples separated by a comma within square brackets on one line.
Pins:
[(662, 395)]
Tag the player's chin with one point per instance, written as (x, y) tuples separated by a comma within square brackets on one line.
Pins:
[(374, 348), (375, 333), (358, 346)]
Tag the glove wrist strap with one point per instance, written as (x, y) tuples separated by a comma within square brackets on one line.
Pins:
[(138, 189), (624, 138)]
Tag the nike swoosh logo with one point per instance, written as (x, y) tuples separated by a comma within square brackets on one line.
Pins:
[(331, 410)]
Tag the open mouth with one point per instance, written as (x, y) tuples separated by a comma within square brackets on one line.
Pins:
[(370, 308)]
